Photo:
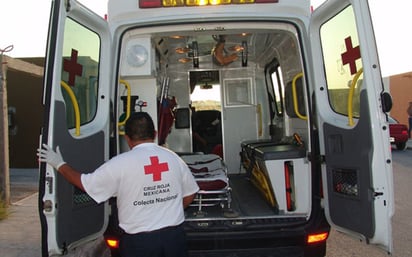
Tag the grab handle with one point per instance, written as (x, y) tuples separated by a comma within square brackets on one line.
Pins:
[(128, 102), (295, 97), (75, 106), (350, 97)]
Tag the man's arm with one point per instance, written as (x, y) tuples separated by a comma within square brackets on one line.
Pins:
[(187, 200), (71, 175)]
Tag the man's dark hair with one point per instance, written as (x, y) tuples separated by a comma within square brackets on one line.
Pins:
[(140, 126)]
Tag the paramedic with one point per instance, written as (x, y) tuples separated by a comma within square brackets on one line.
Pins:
[(409, 111), (152, 185)]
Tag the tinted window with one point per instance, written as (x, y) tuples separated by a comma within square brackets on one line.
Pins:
[(80, 72), (343, 63)]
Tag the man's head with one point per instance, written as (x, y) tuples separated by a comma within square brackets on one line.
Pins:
[(140, 127)]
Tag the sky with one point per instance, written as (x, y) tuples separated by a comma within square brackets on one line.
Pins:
[(24, 24)]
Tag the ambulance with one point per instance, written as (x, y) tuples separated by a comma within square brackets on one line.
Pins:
[(288, 99)]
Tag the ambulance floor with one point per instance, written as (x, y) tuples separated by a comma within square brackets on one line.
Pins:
[(247, 201)]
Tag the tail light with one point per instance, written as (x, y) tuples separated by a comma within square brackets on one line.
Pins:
[(112, 243), (317, 238)]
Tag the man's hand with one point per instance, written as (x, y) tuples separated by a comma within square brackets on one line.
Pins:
[(46, 154)]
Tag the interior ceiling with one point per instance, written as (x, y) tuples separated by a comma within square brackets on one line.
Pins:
[(262, 47), (179, 48)]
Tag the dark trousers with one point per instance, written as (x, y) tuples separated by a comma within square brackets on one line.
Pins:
[(166, 242), (410, 125)]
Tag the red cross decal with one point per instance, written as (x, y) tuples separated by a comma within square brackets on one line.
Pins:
[(155, 168), (351, 55), (72, 67)]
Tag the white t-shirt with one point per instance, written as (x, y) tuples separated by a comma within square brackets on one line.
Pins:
[(149, 182)]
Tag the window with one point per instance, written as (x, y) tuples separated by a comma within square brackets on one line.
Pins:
[(238, 92), (206, 98), (80, 72), (343, 63), (277, 89)]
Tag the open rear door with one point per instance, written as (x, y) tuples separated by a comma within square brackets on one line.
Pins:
[(77, 104), (351, 119)]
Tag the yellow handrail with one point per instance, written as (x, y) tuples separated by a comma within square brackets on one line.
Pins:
[(295, 97), (260, 119), (75, 106), (350, 96), (128, 102)]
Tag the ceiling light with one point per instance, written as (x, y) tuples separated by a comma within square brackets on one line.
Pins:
[(182, 50), (137, 55), (236, 48), (184, 60)]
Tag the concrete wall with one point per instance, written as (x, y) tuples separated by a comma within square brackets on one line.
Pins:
[(24, 92), (401, 91)]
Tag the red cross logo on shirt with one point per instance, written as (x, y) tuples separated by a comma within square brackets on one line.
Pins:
[(72, 67), (156, 168), (351, 55)]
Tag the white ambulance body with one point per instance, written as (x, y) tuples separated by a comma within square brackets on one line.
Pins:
[(291, 100)]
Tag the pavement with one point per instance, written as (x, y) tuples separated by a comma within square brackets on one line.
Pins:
[(20, 233)]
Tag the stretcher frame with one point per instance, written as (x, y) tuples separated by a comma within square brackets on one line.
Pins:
[(206, 198)]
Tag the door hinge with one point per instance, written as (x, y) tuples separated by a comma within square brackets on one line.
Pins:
[(376, 194), (49, 184), (318, 158), (67, 4)]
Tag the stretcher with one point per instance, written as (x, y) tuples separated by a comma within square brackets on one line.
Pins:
[(210, 173), (270, 166), (249, 149), (247, 153)]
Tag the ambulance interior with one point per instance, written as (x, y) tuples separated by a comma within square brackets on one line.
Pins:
[(233, 104)]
